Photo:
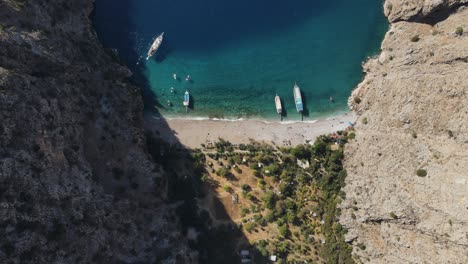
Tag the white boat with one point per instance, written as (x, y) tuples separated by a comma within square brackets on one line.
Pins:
[(186, 100), (155, 46), (279, 108), (298, 98)]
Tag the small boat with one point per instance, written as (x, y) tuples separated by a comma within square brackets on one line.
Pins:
[(187, 78), (155, 46), (279, 108), (174, 76), (298, 98), (332, 100), (186, 100)]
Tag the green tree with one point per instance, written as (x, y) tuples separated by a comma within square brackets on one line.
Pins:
[(270, 199), (223, 172), (284, 231)]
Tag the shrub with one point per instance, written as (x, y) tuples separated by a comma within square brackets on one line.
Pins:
[(284, 231), (237, 169), (261, 247), (357, 100), (244, 211), (450, 133), (393, 215), (415, 38), (300, 152), (270, 217), (414, 135), (237, 159), (361, 246), (364, 120), (257, 174), (259, 220), (291, 217), (227, 188), (459, 31), (261, 183), (421, 173), (352, 135), (249, 227), (204, 177), (270, 200), (224, 172)]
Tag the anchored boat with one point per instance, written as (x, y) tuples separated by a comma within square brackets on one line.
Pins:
[(298, 98), (155, 46), (186, 100), (279, 108)]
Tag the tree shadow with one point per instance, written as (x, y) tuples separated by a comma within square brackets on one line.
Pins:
[(219, 239)]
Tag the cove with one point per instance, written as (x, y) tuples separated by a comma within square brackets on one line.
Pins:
[(240, 54)]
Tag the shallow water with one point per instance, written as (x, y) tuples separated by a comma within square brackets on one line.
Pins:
[(241, 53)]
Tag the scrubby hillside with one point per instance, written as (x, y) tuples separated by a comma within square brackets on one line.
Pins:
[(76, 185), (407, 184)]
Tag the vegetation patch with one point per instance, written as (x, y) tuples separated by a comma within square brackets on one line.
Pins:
[(415, 38), (262, 200), (421, 173), (459, 31)]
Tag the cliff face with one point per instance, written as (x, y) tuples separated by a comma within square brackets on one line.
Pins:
[(413, 115), (76, 184)]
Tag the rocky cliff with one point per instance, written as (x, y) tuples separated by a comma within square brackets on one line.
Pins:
[(76, 183), (407, 185)]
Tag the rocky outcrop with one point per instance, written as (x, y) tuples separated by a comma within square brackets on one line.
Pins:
[(407, 185), (417, 10), (76, 184)]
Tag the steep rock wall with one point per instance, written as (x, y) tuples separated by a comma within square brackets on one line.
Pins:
[(413, 115), (76, 183)]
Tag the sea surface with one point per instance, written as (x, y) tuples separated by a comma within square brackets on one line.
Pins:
[(240, 54)]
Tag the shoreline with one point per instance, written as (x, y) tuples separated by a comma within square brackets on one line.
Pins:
[(193, 132)]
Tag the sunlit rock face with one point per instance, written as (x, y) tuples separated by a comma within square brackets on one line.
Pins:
[(406, 193)]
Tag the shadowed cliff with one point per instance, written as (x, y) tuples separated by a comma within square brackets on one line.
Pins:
[(80, 179)]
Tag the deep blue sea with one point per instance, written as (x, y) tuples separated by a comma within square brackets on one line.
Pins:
[(240, 54)]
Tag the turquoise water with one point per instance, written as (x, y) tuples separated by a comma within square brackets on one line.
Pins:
[(241, 53)]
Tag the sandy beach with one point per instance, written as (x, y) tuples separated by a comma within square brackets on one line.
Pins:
[(193, 133)]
